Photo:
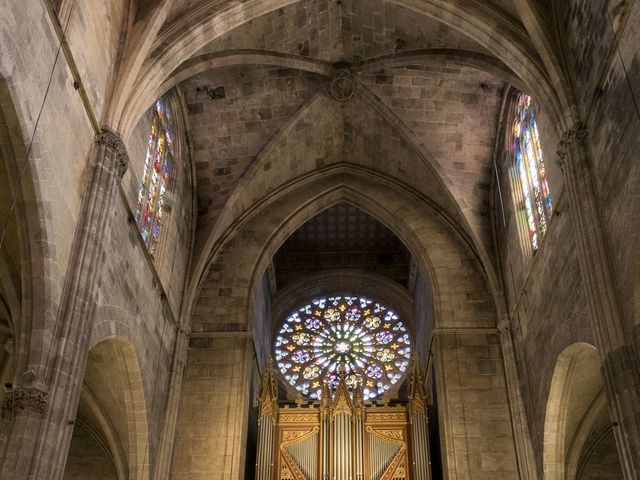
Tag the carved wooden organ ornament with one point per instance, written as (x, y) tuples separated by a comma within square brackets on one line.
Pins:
[(340, 437)]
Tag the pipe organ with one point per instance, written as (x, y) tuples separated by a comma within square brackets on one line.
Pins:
[(341, 437)]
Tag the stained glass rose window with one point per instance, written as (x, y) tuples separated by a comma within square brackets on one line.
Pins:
[(364, 339)]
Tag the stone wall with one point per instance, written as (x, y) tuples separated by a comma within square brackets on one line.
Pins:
[(613, 120), (470, 375), (33, 69), (272, 140), (545, 293), (545, 298), (171, 260), (602, 461), (88, 458), (261, 321), (134, 301), (472, 401), (424, 318), (96, 32), (212, 420)]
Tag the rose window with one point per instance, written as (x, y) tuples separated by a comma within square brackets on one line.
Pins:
[(365, 340)]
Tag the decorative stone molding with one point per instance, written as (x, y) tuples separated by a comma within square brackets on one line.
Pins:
[(572, 136), (114, 143), (25, 398), (340, 282), (343, 86)]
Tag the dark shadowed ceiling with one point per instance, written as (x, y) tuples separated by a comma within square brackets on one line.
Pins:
[(342, 236)]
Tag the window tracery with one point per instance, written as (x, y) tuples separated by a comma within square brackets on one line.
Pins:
[(156, 175), (365, 340), (530, 173)]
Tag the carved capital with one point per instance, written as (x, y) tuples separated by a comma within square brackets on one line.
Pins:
[(25, 398), (570, 139), (114, 143), (577, 133)]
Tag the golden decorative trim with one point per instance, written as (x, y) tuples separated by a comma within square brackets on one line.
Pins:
[(291, 437), (285, 472), (290, 464), (387, 417), (395, 467), (389, 435), (342, 401), (268, 400), (342, 406), (416, 406), (285, 418)]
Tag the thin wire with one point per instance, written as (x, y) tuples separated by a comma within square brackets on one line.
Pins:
[(493, 145), (624, 67), (35, 129), (504, 223)]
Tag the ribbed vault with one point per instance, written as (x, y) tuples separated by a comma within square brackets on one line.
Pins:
[(255, 77)]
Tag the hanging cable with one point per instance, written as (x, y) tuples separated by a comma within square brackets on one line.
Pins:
[(21, 170), (504, 222), (493, 145)]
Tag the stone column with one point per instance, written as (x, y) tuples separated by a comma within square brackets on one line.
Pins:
[(212, 425), (39, 434), (620, 370), (22, 413), (165, 452), (519, 420)]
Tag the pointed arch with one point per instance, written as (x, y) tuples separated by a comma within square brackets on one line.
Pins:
[(26, 263), (575, 404), (113, 383), (465, 314)]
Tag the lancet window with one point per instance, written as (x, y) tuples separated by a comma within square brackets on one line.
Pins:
[(156, 175), (534, 202)]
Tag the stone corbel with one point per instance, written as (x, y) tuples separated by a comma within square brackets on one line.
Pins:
[(25, 398), (114, 143), (571, 138)]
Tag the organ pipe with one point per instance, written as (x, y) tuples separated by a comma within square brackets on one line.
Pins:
[(343, 439), (420, 447)]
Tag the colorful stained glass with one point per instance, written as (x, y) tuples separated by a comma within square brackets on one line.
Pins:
[(536, 198), (156, 175), (365, 340)]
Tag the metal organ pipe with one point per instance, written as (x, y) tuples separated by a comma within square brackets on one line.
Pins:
[(269, 449), (420, 447), (263, 464), (342, 452), (336, 447), (325, 449), (305, 455), (425, 449), (358, 449), (350, 453), (342, 447), (260, 466)]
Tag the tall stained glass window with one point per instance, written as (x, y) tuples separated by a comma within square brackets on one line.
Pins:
[(535, 200), (156, 175), (364, 340)]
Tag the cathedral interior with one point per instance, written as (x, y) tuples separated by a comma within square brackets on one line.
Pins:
[(320, 239)]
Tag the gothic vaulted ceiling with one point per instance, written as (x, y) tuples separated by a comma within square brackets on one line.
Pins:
[(277, 89)]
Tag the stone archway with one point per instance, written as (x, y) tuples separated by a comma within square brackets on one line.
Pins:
[(467, 346), (112, 408), (577, 427), (23, 243)]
